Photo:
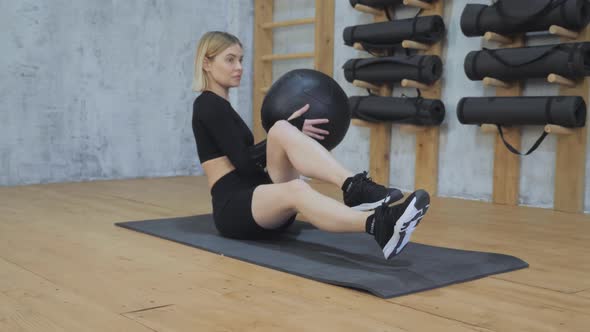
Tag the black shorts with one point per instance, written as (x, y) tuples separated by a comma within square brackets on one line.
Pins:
[(232, 207)]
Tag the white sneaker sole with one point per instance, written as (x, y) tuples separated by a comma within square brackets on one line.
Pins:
[(370, 206), (406, 224), (374, 205)]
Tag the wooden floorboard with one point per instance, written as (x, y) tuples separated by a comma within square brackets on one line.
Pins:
[(29, 302), (585, 294), (62, 236)]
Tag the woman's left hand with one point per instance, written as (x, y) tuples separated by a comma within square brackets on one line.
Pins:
[(311, 131)]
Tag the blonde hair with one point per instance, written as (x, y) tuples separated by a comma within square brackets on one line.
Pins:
[(211, 44)]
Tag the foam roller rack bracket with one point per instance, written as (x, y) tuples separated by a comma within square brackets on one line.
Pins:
[(427, 138)]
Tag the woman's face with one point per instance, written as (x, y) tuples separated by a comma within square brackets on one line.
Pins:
[(226, 67)]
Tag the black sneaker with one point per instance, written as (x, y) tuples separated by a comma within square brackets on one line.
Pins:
[(392, 226), (362, 194)]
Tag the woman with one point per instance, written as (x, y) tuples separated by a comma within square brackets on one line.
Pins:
[(256, 190)]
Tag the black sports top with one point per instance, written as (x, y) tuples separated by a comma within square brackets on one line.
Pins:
[(220, 131)]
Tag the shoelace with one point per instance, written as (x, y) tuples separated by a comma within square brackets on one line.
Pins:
[(365, 179)]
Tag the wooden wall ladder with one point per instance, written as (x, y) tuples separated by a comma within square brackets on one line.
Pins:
[(323, 53)]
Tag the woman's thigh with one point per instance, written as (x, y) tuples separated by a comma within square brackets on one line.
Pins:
[(273, 205)]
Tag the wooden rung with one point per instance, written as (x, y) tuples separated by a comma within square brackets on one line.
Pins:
[(413, 84), (410, 129), (368, 10), (264, 90), (492, 36), (273, 57), (361, 123), (563, 32), (365, 85), (303, 21), (418, 3), (490, 81), (558, 79), (558, 130), (489, 128), (415, 45)]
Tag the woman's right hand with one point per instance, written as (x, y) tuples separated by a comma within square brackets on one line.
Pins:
[(308, 125), (299, 112)]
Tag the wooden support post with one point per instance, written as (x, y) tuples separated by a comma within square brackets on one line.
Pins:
[(492, 36), (411, 129), (380, 140), (489, 81), (557, 79), (570, 164), (263, 13), (362, 123), (366, 85), (419, 4), (558, 130), (506, 164), (563, 32), (415, 45), (413, 84), (427, 140), (368, 10), (488, 128), (324, 37)]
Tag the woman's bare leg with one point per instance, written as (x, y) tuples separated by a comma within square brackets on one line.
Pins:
[(273, 204), (290, 152)]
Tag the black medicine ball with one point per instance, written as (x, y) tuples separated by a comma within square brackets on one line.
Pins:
[(325, 97)]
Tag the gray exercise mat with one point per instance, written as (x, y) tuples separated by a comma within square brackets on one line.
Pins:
[(344, 259)]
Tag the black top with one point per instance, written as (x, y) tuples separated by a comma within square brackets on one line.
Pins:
[(220, 131)]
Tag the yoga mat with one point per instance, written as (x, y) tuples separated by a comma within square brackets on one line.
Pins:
[(422, 68), (515, 16), (387, 35), (417, 111), (571, 60), (566, 111), (351, 260)]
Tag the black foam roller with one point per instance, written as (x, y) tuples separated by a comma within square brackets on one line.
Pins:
[(566, 111), (512, 16), (423, 29), (422, 68), (380, 3), (417, 111), (571, 60)]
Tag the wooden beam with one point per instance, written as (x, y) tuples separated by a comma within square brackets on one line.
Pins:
[(282, 24), (570, 164), (380, 145), (379, 149), (427, 140), (506, 182), (368, 10), (263, 44), (324, 36), (290, 56)]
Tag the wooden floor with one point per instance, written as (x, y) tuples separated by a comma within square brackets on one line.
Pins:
[(65, 267)]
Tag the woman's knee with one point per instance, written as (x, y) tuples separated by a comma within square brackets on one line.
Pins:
[(280, 129), (298, 188)]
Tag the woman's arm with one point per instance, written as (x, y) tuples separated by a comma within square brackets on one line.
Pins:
[(229, 141)]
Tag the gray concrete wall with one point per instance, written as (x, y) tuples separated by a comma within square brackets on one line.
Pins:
[(96, 89), (101, 90), (466, 154)]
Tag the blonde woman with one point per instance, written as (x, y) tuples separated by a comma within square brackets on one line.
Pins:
[(256, 189)]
